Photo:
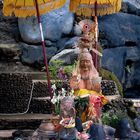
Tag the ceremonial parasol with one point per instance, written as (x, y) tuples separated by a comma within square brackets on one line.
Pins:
[(26, 8), (95, 8)]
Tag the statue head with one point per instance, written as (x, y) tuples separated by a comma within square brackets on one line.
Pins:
[(85, 60), (85, 64), (67, 107)]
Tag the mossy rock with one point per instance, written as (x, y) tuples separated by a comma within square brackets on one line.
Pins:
[(131, 110), (100, 49), (112, 118), (114, 111), (108, 75)]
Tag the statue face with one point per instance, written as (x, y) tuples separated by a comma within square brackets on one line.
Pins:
[(85, 65)]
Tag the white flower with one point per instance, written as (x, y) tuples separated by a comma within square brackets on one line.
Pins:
[(54, 94), (54, 87), (72, 92), (61, 97), (54, 99), (58, 98), (63, 92), (78, 78)]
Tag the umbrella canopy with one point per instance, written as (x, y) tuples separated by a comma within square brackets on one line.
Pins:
[(25, 8), (87, 7)]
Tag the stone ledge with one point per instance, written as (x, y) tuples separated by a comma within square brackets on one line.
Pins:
[(28, 117)]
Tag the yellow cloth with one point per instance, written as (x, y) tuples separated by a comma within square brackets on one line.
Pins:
[(84, 92)]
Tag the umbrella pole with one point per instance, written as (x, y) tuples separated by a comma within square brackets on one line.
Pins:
[(96, 35), (44, 50)]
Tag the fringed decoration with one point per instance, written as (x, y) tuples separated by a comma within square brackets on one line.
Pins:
[(73, 5), (87, 7), (28, 8), (73, 2)]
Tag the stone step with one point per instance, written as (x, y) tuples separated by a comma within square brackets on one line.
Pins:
[(136, 102), (41, 98), (25, 117), (46, 81), (112, 97), (8, 133), (34, 75)]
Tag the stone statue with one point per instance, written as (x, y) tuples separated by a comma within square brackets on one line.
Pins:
[(85, 76), (67, 114), (86, 83)]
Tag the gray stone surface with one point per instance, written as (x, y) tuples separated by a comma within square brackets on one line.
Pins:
[(55, 24), (9, 51), (133, 75), (134, 2), (124, 62), (32, 54), (72, 42), (77, 30), (61, 43), (128, 7), (109, 131), (114, 60), (137, 124), (68, 56), (16, 67), (50, 43), (132, 53), (67, 43), (120, 29)]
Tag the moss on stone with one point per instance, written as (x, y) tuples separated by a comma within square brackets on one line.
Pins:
[(115, 111), (100, 49), (132, 112), (108, 75)]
